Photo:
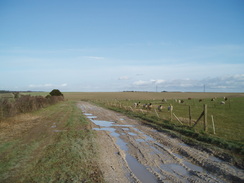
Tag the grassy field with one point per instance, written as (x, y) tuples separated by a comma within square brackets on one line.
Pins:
[(54, 144), (143, 95), (228, 118)]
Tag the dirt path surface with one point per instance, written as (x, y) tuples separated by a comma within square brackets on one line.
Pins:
[(132, 152)]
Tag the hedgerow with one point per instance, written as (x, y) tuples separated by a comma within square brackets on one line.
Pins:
[(24, 104)]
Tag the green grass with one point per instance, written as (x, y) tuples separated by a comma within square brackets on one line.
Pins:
[(228, 119), (66, 156)]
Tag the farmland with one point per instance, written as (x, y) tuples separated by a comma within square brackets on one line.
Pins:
[(61, 136), (227, 118)]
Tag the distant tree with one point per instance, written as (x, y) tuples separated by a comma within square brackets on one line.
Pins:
[(56, 92)]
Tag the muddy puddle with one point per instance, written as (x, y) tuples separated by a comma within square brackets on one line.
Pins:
[(153, 157), (139, 170)]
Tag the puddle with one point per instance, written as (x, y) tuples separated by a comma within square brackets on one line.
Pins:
[(139, 170), (103, 123), (193, 167), (91, 117), (140, 140), (127, 129), (215, 159), (88, 114), (175, 169), (133, 134)]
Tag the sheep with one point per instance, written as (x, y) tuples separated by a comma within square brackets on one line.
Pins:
[(222, 102), (213, 99), (149, 106), (164, 100), (200, 100), (137, 104), (170, 108), (145, 106), (189, 98), (160, 107)]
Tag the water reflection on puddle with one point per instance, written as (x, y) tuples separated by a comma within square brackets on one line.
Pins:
[(139, 170)]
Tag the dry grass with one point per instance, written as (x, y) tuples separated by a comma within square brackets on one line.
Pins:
[(54, 144), (143, 95)]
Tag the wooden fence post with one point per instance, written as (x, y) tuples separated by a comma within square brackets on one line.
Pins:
[(156, 113), (213, 124), (171, 112), (205, 117), (189, 115)]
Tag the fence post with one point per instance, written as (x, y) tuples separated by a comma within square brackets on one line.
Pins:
[(171, 112), (189, 115), (205, 117), (213, 124), (156, 113)]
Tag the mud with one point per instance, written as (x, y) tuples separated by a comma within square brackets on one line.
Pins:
[(132, 152)]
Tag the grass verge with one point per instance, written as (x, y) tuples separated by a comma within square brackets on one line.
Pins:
[(59, 147)]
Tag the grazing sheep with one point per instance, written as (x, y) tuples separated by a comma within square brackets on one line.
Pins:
[(149, 107), (200, 100), (182, 101), (213, 99), (226, 98), (160, 107), (189, 98), (145, 106), (222, 102), (170, 108), (164, 100), (137, 104)]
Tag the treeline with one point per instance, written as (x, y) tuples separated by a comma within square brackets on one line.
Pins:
[(26, 103)]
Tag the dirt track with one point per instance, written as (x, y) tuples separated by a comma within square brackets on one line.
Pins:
[(132, 152)]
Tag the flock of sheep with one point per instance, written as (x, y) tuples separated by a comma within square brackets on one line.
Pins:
[(160, 107)]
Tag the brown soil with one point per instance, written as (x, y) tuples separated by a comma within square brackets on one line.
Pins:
[(129, 150)]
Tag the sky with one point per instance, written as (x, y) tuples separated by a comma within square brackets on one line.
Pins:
[(124, 45)]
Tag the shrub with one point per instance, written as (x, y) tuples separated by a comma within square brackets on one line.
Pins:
[(56, 92), (26, 103)]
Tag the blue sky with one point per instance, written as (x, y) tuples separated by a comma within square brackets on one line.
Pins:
[(143, 45)]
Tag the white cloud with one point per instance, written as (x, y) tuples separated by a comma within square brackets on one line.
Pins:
[(123, 78), (225, 83), (64, 84), (40, 85), (46, 86)]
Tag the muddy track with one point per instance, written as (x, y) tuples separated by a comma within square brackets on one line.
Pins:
[(132, 152)]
